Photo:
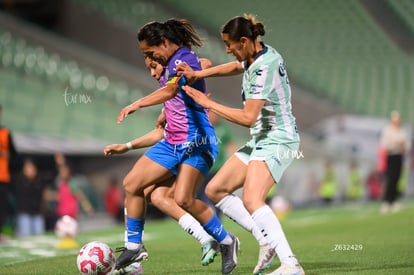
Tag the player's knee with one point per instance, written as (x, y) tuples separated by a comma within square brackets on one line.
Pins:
[(158, 200), (250, 204), (184, 202), (131, 185), (126, 184), (212, 194)]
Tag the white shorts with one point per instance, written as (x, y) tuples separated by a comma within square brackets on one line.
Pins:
[(277, 156)]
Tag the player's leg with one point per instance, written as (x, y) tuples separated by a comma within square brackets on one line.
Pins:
[(188, 180), (144, 173), (134, 267), (162, 197), (220, 190), (254, 195)]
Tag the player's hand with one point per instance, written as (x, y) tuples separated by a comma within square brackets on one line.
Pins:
[(115, 149), (184, 69), (160, 124), (126, 111), (198, 96)]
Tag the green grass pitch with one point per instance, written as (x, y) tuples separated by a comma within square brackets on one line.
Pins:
[(347, 239)]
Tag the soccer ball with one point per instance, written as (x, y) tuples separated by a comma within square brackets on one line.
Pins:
[(66, 227), (96, 258)]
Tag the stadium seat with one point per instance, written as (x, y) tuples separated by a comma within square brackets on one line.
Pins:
[(332, 47)]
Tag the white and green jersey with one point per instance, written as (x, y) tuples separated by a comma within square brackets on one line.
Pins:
[(266, 78)]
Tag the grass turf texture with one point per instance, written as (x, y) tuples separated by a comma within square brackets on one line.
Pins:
[(347, 239)]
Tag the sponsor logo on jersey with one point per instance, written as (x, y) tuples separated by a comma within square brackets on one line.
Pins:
[(282, 69)]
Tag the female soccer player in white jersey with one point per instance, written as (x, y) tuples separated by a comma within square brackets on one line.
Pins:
[(267, 111)]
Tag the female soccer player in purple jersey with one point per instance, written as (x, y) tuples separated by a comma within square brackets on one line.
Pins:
[(188, 149), (161, 194), (267, 111)]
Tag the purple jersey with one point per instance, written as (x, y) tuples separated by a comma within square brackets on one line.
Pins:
[(186, 120)]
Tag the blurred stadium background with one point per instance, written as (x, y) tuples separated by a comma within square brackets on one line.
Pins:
[(68, 67)]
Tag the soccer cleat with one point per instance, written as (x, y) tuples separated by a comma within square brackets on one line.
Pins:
[(229, 254), (285, 269), (132, 269), (129, 256), (209, 250), (266, 257)]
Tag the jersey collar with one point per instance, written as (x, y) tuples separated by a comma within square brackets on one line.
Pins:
[(262, 52)]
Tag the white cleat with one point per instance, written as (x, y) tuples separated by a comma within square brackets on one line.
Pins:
[(266, 257), (285, 269)]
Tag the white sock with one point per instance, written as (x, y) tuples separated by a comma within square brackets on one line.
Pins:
[(232, 206), (272, 230), (227, 240), (131, 246), (125, 232), (194, 228), (125, 238)]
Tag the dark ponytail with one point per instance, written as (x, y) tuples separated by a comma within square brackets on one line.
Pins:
[(178, 31), (243, 26)]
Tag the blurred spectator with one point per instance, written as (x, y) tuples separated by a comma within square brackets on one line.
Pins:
[(328, 187), (114, 201), (69, 194), (382, 160), (395, 143), (355, 187), (374, 185), (30, 192), (7, 151)]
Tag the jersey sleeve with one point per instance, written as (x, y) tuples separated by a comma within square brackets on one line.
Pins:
[(179, 80), (183, 55)]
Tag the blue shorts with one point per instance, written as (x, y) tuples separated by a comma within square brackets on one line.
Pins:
[(171, 156)]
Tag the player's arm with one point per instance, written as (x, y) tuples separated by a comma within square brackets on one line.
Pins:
[(227, 69), (159, 96), (205, 63), (244, 117), (146, 140), (161, 120)]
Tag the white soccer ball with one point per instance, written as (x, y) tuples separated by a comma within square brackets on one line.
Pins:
[(96, 258), (67, 227)]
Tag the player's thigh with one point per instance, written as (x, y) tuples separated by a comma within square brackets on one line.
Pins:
[(258, 182), (228, 179), (146, 172)]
